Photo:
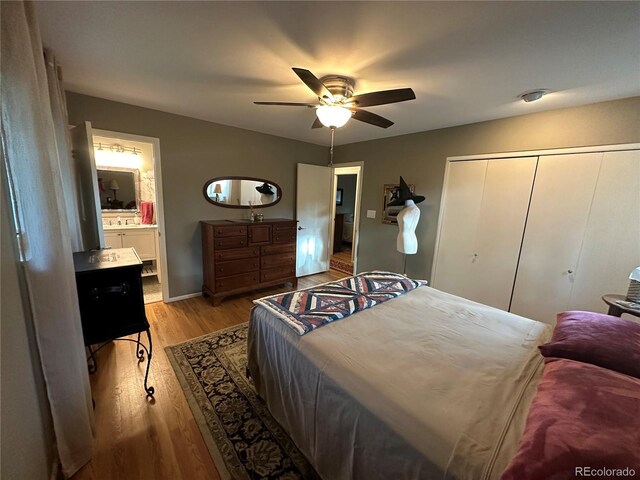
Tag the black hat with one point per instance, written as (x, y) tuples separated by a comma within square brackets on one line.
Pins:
[(404, 195), (265, 188)]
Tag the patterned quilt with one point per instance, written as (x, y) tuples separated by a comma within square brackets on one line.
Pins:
[(307, 310)]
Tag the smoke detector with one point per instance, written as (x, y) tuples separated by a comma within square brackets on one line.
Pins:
[(533, 95)]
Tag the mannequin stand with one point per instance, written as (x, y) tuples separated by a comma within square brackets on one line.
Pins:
[(404, 265)]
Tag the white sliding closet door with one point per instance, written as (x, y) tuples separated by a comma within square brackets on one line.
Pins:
[(460, 213), (611, 245), (507, 190), (558, 214), (483, 219)]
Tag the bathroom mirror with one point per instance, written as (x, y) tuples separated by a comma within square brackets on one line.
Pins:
[(242, 192), (118, 189)]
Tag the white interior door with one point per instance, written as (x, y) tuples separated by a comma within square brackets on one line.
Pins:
[(558, 213), (611, 246), (313, 210), (88, 194)]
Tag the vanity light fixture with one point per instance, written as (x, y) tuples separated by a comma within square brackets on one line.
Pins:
[(116, 148), (533, 95)]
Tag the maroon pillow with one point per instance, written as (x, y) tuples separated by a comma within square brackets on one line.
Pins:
[(603, 340), (583, 416)]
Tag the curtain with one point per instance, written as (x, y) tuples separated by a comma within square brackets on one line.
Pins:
[(63, 145), (33, 166)]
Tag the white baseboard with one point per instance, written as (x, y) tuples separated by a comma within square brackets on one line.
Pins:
[(183, 297)]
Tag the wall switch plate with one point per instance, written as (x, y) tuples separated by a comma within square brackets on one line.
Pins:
[(371, 214)]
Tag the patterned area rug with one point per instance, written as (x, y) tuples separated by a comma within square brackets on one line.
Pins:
[(344, 267), (243, 438)]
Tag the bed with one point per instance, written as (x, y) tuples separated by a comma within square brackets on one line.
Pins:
[(427, 385), (347, 228)]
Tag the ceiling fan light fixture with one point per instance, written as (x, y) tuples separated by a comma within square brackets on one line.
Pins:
[(333, 115)]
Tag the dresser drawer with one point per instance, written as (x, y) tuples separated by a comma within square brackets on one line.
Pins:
[(279, 227), (237, 281), (259, 234), (225, 269), (236, 254), (229, 230), (281, 260), (269, 274), (285, 236), (229, 242), (277, 249)]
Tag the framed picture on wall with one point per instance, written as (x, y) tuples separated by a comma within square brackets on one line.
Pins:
[(391, 192), (339, 196)]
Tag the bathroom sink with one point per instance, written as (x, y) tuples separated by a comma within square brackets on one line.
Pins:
[(121, 227)]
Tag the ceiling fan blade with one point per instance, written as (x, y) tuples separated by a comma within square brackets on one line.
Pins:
[(314, 83), (288, 104), (383, 97), (372, 118), (317, 123)]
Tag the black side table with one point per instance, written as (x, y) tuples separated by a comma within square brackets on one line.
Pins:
[(617, 309), (109, 286)]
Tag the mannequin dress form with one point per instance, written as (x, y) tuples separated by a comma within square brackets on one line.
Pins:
[(408, 217), (266, 198)]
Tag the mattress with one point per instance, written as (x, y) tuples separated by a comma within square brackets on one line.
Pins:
[(347, 232), (424, 386)]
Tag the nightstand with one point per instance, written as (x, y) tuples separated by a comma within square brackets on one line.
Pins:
[(109, 287), (616, 309)]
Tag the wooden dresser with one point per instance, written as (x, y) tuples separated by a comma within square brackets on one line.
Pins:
[(239, 256)]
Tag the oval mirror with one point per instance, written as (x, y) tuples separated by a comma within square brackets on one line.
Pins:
[(242, 192)]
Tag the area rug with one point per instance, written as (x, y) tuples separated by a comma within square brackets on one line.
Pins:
[(244, 440), (344, 267), (152, 289)]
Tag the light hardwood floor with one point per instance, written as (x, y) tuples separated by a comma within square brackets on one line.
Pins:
[(159, 439), (343, 255)]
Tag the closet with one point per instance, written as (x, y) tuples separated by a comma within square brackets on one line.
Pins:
[(540, 232)]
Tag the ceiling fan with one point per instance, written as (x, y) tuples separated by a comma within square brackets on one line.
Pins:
[(337, 104)]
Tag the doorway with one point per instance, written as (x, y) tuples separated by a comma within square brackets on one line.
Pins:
[(130, 202), (347, 181)]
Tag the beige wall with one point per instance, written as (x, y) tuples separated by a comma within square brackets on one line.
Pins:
[(193, 151), (420, 158)]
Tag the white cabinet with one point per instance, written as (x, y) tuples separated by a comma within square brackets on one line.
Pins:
[(143, 240), (538, 235), (112, 239)]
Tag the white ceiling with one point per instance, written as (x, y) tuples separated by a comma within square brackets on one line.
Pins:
[(466, 61)]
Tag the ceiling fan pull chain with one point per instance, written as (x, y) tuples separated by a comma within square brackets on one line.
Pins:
[(333, 131)]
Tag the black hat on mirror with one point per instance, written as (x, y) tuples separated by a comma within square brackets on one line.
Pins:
[(266, 189)]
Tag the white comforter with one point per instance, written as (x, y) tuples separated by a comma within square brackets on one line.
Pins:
[(424, 386)]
